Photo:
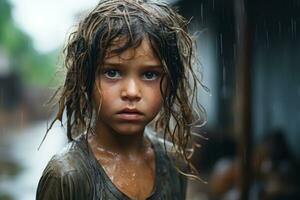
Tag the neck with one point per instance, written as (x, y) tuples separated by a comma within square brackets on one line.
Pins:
[(122, 144)]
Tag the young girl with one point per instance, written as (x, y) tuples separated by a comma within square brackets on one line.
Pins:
[(128, 66)]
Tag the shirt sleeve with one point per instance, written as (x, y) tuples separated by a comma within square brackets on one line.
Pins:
[(53, 186), (58, 183), (49, 188)]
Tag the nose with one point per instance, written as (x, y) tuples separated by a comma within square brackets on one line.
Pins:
[(131, 90)]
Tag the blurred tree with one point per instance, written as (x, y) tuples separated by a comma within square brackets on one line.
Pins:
[(33, 68)]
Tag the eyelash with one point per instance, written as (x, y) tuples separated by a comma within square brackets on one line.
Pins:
[(106, 71), (155, 73), (117, 75)]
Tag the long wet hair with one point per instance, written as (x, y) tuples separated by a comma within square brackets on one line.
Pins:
[(134, 20)]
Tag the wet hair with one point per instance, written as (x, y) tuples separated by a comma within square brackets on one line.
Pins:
[(133, 20)]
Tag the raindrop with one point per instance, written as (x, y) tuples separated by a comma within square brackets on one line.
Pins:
[(201, 12), (295, 28), (234, 51), (224, 73), (256, 32), (238, 34), (217, 44), (267, 37), (265, 24), (293, 24), (221, 43), (267, 33), (279, 28), (292, 27), (213, 4)]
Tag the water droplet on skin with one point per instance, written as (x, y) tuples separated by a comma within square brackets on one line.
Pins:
[(114, 167), (110, 153)]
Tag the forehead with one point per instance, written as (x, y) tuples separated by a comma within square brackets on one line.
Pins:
[(143, 51)]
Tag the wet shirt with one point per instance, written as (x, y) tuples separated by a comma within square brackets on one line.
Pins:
[(75, 174)]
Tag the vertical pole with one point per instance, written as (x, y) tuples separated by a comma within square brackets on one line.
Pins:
[(243, 97)]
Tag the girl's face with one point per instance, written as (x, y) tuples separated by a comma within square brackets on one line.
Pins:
[(130, 89)]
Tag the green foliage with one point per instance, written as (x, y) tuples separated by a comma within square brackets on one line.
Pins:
[(34, 68), (37, 69)]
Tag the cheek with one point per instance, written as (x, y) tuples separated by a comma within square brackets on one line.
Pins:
[(102, 94), (157, 104), (154, 99), (96, 95), (110, 92)]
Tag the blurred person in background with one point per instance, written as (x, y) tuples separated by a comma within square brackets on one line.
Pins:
[(275, 172)]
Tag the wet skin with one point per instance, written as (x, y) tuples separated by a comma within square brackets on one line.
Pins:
[(130, 81)]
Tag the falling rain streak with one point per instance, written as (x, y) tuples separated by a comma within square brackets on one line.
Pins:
[(221, 43), (1, 97), (279, 28), (217, 46), (201, 11), (293, 28), (223, 74)]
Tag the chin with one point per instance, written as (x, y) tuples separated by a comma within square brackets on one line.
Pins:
[(129, 129)]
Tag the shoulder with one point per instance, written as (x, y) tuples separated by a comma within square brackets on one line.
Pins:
[(159, 143), (64, 174), (169, 165), (68, 160), (164, 147)]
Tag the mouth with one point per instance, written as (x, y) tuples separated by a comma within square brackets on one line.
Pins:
[(130, 114)]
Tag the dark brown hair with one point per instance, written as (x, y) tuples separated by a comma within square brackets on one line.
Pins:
[(133, 20)]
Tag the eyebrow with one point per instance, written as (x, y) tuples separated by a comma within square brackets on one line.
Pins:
[(122, 65)]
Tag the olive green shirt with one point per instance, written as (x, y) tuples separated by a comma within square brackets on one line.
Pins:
[(75, 174)]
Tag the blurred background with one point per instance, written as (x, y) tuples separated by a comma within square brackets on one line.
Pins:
[(250, 60)]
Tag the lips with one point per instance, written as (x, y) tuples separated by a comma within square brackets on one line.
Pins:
[(130, 111), (130, 114)]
